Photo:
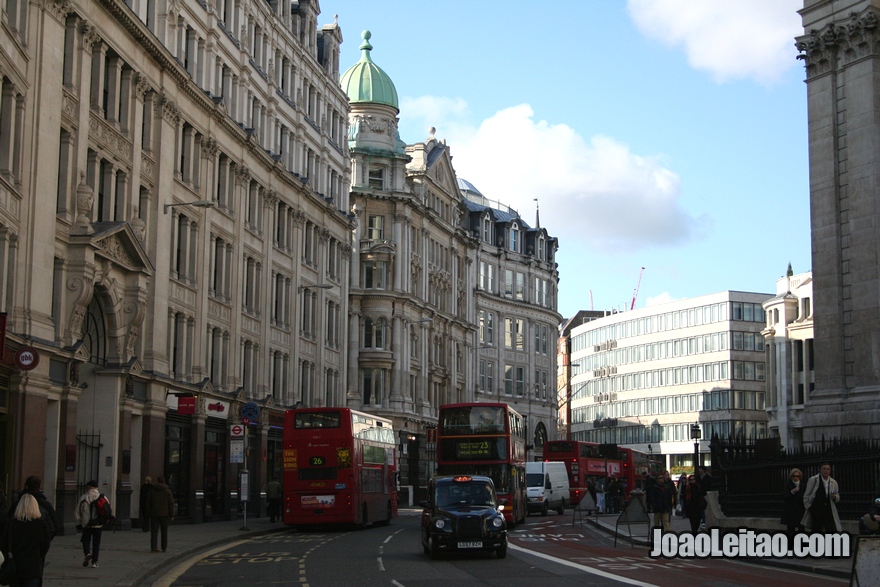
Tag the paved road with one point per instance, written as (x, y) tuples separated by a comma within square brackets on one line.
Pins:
[(544, 549)]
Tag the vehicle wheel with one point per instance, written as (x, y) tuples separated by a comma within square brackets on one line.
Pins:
[(561, 509), (502, 550), (435, 550), (425, 548), (545, 509)]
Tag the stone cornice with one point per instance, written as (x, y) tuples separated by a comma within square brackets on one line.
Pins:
[(837, 44)]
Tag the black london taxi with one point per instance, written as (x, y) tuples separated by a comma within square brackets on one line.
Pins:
[(462, 513)]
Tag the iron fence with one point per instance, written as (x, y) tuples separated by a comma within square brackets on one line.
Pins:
[(88, 457), (750, 475)]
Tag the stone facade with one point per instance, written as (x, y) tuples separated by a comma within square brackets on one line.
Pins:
[(790, 357), (173, 184), (840, 52)]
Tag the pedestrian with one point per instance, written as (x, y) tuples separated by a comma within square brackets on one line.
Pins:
[(92, 528), (600, 494), (273, 500), (704, 480), (146, 488), (27, 542), (682, 488), (662, 501), (693, 503), (870, 523), (793, 504), (820, 502), (3, 507), (34, 486), (161, 512)]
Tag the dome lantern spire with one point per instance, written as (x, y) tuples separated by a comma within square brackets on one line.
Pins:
[(366, 82)]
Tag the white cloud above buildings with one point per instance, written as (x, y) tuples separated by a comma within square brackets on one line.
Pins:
[(745, 39), (591, 192)]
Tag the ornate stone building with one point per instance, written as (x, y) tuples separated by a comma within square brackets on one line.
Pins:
[(841, 55), (174, 229), (426, 327), (790, 357)]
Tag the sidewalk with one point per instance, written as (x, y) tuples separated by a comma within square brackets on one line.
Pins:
[(126, 560), (832, 567)]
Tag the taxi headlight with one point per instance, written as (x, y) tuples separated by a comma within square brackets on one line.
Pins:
[(439, 524), (497, 522)]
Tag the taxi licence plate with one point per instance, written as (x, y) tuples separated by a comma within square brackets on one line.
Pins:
[(470, 545)]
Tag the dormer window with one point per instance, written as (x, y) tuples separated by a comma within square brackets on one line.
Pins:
[(542, 254), (515, 242), (376, 177), (487, 230)]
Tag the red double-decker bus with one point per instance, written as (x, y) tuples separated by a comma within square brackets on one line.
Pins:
[(589, 461), (486, 439), (340, 466)]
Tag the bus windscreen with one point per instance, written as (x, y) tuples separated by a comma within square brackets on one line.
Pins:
[(317, 420)]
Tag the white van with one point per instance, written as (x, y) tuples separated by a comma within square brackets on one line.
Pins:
[(547, 486)]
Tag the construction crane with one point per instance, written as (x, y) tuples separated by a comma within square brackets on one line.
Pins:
[(636, 291)]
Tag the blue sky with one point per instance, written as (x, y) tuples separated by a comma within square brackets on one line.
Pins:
[(665, 134)]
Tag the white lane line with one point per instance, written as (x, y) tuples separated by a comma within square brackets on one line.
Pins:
[(396, 583), (583, 568)]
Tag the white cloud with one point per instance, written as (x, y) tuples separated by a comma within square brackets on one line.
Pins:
[(659, 299), (595, 193), (740, 39)]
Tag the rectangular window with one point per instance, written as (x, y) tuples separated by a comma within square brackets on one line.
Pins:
[(736, 310), (508, 283), (377, 178), (374, 274), (520, 292), (508, 379), (376, 228)]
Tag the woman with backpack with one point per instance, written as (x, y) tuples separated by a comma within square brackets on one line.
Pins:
[(88, 519)]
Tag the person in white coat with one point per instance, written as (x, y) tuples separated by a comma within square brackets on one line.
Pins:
[(820, 502), (91, 530)]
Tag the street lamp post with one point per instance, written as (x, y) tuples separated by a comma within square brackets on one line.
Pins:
[(696, 433)]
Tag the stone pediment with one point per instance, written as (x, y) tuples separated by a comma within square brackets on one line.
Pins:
[(443, 173), (117, 242)]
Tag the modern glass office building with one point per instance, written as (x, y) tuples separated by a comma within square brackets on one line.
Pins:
[(646, 377)]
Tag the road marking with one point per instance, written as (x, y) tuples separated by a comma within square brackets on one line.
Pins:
[(183, 567), (589, 570)]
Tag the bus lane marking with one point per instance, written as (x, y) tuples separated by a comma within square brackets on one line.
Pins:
[(585, 569), (635, 563)]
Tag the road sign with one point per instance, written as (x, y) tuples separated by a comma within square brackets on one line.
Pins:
[(236, 431), (245, 421), (251, 411)]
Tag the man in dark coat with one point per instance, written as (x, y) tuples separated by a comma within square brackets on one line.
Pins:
[(34, 486), (161, 509), (146, 490), (662, 499)]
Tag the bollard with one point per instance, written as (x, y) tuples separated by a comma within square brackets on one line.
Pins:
[(198, 507)]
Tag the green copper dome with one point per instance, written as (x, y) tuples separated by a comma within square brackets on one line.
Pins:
[(366, 82)]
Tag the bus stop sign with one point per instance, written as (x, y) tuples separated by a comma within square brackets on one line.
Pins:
[(251, 411)]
